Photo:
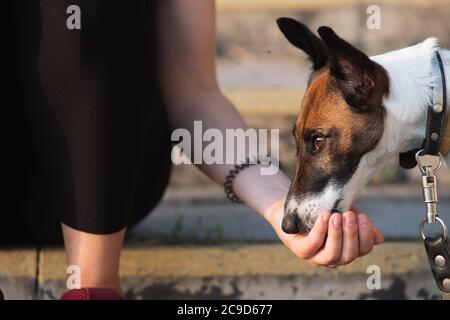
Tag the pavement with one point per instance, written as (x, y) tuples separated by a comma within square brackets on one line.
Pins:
[(258, 271)]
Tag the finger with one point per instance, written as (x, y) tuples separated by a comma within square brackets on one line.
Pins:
[(350, 238), (333, 245), (316, 237), (356, 210), (312, 263), (378, 236), (365, 234)]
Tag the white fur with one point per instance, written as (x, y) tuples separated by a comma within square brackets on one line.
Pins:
[(411, 80), (310, 206)]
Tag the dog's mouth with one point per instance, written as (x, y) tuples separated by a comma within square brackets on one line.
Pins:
[(298, 222), (336, 205), (335, 210)]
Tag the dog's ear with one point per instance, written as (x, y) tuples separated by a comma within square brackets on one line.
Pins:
[(301, 37), (362, 81)]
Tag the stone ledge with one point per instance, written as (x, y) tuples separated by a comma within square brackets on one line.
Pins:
[(240, 260), (268, 271), (205, 261), (18, 263)]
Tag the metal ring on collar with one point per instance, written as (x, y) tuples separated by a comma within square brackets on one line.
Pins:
[(443, 225), (420, 165)]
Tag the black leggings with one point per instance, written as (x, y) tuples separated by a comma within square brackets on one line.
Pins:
[(94, 131)]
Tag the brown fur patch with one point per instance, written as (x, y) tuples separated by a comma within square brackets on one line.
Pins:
[(349, 134)]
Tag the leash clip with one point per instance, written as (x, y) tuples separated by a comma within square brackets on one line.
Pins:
[(429, 187), (430, 195), (437, 249)]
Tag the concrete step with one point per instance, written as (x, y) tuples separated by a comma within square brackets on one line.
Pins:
[(263, 271), (18, 271)]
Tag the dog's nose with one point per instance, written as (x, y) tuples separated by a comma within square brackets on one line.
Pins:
[(292, 224), (289, 224)]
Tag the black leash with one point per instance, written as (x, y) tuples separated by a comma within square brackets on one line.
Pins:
[(436, 246)]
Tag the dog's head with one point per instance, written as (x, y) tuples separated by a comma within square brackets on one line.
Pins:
[(340, 122)]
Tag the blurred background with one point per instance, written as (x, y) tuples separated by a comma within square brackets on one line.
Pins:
[(196, 244)]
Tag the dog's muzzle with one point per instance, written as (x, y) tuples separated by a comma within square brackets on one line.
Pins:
[(292, 224)]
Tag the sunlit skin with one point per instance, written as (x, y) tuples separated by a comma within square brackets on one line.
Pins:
[(336, 239)]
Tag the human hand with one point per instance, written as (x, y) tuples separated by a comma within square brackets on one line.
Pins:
[(336, 239)]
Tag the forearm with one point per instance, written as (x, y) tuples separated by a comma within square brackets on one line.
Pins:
[(258, 191), (186, 53), (214, 111)]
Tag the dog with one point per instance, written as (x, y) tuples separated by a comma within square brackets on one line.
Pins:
[(357, 113)]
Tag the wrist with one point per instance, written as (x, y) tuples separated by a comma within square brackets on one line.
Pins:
[(272, 213), (263, 193)]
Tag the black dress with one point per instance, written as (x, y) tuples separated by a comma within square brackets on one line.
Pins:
[(89, 142)]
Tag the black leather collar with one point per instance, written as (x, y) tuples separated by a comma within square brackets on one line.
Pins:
[(436, 119)]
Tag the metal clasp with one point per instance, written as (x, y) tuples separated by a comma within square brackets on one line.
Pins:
[(429, 187), (430, 196)]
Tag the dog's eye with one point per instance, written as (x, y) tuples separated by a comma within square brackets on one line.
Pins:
[(317, 143)]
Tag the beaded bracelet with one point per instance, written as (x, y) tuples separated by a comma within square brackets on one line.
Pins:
[(229, 179)]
